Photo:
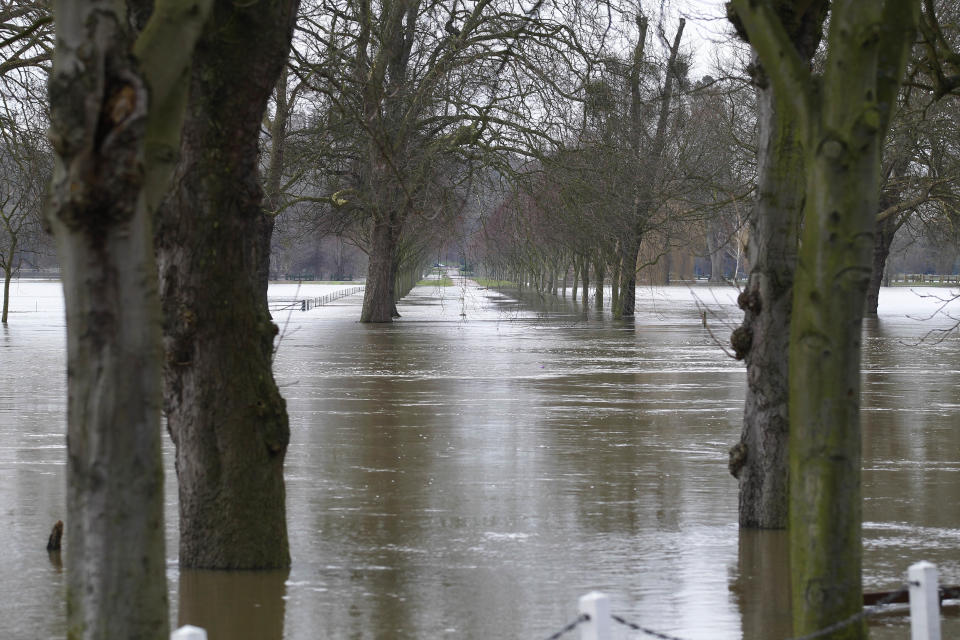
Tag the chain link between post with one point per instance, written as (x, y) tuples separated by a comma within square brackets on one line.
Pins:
[(583, 617), (865, 613)]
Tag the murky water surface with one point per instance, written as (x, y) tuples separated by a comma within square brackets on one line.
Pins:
[(471, 470)]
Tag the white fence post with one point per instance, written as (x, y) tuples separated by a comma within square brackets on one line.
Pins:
[(924, 602), (189, 632), (597, 606)]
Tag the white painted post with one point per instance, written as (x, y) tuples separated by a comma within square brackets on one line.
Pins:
[(597, 606), (924, 602), (189, 632)]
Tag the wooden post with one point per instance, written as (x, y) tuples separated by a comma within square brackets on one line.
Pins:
[(189, 632), (924, 602), (597, 606)]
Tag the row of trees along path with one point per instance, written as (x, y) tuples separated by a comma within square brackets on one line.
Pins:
[(163, 232)]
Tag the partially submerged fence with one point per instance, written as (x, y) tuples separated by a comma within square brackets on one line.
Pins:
[(925, 278), (596, 622), (306, 304)]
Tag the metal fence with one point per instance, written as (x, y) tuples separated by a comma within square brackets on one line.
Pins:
[(306, 304)]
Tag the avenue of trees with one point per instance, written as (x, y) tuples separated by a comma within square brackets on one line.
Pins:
[(559, 144)]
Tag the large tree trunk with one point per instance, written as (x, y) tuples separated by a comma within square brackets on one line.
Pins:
[(224, 411), (116, 566), (846, 113), (759, 461), (885, 231), (115, 110), (378, 301)]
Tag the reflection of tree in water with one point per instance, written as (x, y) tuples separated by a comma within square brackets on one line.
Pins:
[(234, 604), (388, 476), (760, 584)]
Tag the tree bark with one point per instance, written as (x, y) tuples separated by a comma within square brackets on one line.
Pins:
[(759, 461), (885, 231), (378, 302), (845, 115), (224, 411), (116, 108)]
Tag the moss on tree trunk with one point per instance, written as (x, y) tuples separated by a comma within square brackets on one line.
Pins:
[(844, 116)]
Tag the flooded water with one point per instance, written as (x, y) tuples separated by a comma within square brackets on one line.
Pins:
[(472, 469)]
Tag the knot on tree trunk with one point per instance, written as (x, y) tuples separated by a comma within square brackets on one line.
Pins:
[(750, 301), (56, 535), (741, 339), (738, 459)]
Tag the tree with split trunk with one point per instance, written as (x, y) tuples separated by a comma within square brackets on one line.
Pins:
[(116, 108), (759, 460), (224, 412), (842, 118)]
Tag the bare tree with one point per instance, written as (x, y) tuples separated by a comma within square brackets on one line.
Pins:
[(24, 172)]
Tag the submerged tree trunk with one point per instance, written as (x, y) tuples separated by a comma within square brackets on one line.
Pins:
[(7, 277), (378, 302), (585, 280), (759, 461), (600, 269), (116, 107), (845, 113), (224, 411), (615, 283), (885, 231), (576, 280), (628, 279)]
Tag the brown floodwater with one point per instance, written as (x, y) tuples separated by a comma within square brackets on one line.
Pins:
[(472, 469)]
